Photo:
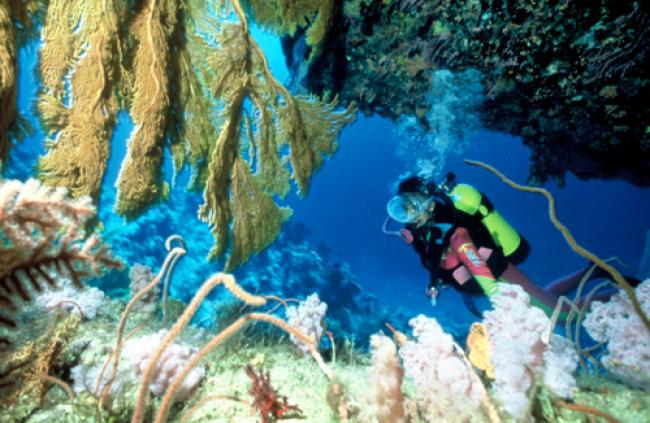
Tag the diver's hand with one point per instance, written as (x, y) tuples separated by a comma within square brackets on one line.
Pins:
[(432, 292)]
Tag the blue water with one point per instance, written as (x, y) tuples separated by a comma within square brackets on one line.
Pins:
[(345, 207)]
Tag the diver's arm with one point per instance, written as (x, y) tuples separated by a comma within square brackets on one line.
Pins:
[(468, 254)]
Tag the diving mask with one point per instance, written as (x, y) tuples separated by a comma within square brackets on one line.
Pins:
[(404, 209)]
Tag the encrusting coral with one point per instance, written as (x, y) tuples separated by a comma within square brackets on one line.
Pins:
[(185, 70), (30, 365)]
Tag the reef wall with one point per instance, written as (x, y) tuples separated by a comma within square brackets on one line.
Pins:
[(569, 76)]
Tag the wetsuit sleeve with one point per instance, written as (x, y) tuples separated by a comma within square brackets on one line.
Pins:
[(468, 254), (430, 252)]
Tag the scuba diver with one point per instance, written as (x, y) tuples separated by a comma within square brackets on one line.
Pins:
[(465, 243)]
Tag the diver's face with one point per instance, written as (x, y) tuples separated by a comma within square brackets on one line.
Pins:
[(424, 215)]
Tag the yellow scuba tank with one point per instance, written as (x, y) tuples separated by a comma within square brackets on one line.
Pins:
[(468, 199)]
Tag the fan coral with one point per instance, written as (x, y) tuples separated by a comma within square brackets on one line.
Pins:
[(185, 71), (616, 323), (42, 237)]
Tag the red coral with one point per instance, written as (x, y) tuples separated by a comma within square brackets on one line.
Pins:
[(270, 405)]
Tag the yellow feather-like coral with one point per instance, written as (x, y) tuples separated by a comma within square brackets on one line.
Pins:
[(188, 72), (8, 71), (78, 156), (258, 219), (311, 127), (286, 16), (139, 181)]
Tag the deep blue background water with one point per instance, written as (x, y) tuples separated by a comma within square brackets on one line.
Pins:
[(345, 207)]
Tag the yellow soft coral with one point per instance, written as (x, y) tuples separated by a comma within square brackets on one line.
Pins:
[(286, 16), (192, 77), (78, 157), (478, 345), (8, 70), (139, 181)]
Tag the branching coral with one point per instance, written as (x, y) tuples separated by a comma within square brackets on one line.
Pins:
[(42, 237), (185, 70)]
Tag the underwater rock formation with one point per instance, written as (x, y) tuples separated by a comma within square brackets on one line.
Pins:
[(570, 77)]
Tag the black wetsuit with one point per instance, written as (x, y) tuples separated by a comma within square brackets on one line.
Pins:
[(431, 241)]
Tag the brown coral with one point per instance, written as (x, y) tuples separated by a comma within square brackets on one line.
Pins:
[(42, 237)]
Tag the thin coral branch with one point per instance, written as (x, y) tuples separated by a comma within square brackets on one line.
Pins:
[(578, 249), (66, 387), (220, 278), (585, 409), (170, 260)]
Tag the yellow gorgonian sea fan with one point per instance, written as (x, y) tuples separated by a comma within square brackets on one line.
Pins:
[(81, 44), (194, 80), (286, 16), (8, 71), (307, 126), (139, 182)]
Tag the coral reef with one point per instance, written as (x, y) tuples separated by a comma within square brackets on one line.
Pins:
[(616, 324), (569, 77), (184, 71), (43, 237)]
